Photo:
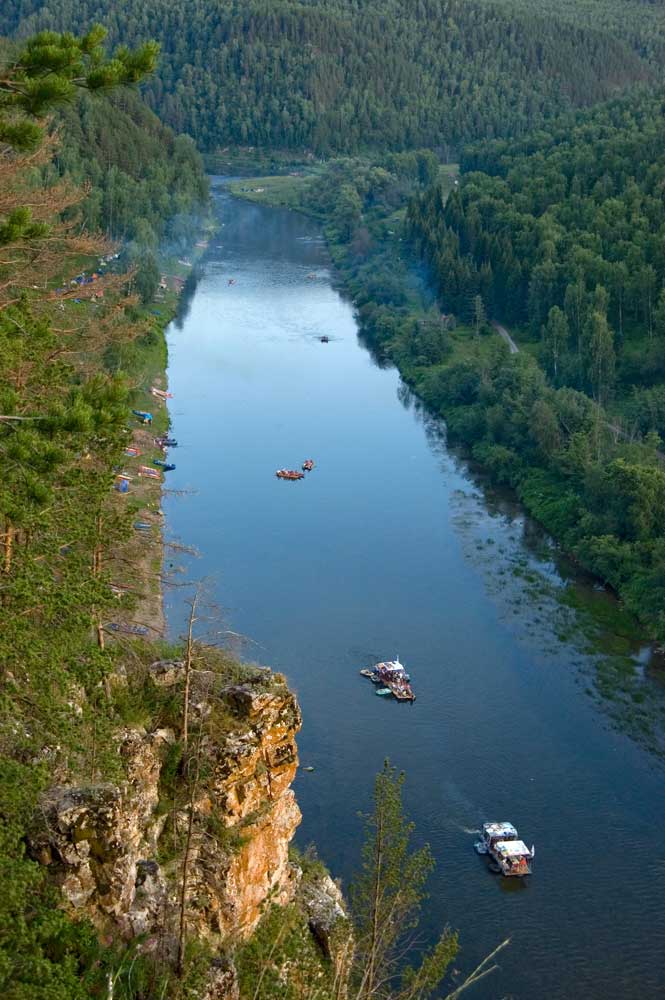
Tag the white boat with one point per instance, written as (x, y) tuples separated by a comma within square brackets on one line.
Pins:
[(392, 676), (501, 841)]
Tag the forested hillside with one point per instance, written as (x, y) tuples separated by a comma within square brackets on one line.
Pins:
[(342, 75), (62, 429), (146, 184), (562, 234)]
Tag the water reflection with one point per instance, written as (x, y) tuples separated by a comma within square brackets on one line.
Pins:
[(549, 577), (187, 294)]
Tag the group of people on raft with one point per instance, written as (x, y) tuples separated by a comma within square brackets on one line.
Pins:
[(307, 466), (391, 673)]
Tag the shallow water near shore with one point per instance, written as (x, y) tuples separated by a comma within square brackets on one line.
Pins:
[(392, 546)]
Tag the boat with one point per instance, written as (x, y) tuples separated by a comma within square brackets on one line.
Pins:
[(324, 339), (383, 691), (308, 465), (166, 466), (145, 470), (128, 629), (501, 842), (391, 675), (373, 676), (289, 474)]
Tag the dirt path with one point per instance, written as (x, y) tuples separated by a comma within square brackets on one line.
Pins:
[(501, 330)]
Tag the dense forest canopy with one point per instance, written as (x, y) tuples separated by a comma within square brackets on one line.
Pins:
[(562, 233), (144, 183), (147, 185), (342, 75), (561, 227)]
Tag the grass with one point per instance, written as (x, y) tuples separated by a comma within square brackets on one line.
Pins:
[(281, 192), (469, 347)]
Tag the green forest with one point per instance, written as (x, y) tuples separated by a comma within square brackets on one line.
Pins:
[(335, 76), (561, 234), (147, 185)]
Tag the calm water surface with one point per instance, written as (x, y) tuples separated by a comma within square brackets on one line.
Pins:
[(390, 547)]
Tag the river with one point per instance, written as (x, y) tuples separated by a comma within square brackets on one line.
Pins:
[(391, 546)]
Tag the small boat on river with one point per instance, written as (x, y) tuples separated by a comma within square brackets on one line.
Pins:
[(510, 854), (392, 678), (308, 465), (291, 474), (325, 339)]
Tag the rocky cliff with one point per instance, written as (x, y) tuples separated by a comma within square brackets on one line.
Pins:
[(193, 842), (201, 830)]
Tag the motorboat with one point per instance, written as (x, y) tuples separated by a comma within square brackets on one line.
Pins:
[(502, 843)]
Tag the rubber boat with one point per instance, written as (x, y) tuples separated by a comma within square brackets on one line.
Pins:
[(509, 854), (289, 474)]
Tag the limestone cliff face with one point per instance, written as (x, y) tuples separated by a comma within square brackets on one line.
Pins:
[(119, 851), (96, 837), (249, 792)]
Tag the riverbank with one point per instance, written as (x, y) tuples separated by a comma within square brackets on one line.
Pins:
[(145, 362), (434, 352)]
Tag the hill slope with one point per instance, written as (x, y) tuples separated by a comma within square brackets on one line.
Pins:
[(341, 75)]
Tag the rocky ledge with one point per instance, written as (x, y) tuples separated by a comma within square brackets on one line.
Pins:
[(121, 851)]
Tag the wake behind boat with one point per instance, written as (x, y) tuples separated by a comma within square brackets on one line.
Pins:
[(392, 678)]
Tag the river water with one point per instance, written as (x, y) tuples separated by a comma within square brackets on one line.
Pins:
[(390, 546)]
